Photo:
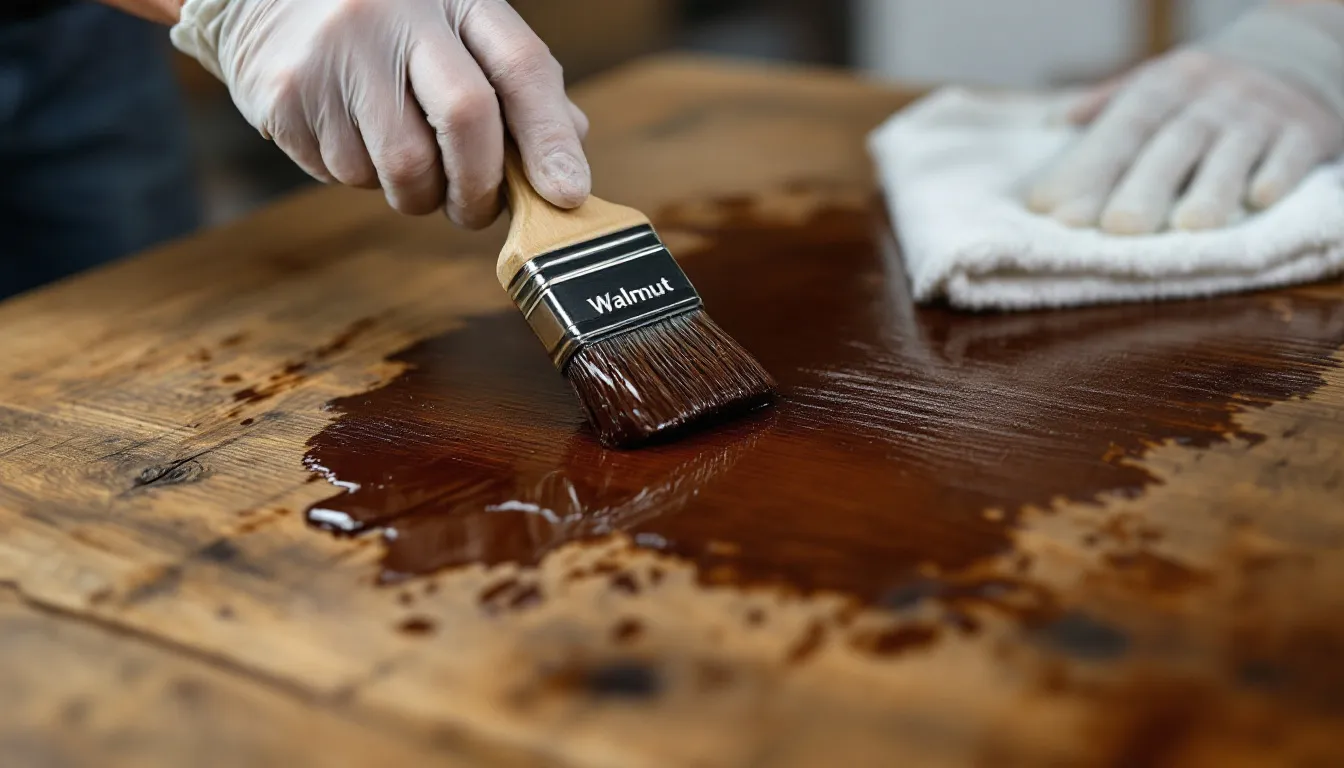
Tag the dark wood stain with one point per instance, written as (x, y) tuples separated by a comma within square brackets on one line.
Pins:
[(75, 713), (493, 592), (904, 438), (962, 622), (189, 691), (627, 631), (416, 626), (164, 581), (220, 551), (278, 384), (1154, 720), (619, 679), (526, 597), (296, 372), (250, 395), (625, 583), (1083, 636), (1154, 572), (342, 340), (510, 594), (1297, 660), (713, 675), (808, 644), (895, 640)]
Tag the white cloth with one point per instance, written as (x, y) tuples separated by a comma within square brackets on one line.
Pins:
[(955, 167)]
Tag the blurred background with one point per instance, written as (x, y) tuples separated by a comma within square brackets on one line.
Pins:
[(1021, 43)]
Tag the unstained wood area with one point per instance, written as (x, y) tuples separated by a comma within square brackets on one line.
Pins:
[(1112, 536)]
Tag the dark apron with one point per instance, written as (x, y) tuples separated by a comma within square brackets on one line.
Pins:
[(94, 156), (24, 10)]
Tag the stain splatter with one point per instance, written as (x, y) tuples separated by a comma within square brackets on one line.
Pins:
[(894, 640), (416, 626), (713, 676), (625, 583), (1152, 572), (620, 679), (626, 631), (807, 645), (344, 339)]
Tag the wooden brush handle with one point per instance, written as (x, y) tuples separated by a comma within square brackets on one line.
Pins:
[(537, 227)]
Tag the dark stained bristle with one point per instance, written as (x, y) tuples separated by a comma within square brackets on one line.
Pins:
[(657, 381)]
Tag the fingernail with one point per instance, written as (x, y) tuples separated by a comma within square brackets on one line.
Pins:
[(1039, 200), (1196, 219), (1125, 223), (1071, 220), (569, 176), (1077, 214), (1265, 194)]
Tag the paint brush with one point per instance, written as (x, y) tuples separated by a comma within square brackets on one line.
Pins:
[(620, 319)]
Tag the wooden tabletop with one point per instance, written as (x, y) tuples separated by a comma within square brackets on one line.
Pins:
[(1111, 536)]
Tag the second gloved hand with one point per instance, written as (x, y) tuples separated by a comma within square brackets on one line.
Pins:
[(1190, 138), (402, 95)]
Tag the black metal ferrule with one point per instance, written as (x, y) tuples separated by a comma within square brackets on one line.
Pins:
[(601, 288)]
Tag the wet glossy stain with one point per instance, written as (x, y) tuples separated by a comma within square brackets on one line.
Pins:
[(906, 439)]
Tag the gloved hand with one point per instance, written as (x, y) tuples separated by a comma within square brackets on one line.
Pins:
[(402, 94), (1243, 118)]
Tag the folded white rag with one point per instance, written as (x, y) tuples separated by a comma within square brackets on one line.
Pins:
[(955, 167)]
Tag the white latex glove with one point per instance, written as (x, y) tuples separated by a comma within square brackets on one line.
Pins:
[(1189, 138), (400, 94)]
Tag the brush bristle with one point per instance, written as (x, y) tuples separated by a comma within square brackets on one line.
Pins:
[(657, 381)]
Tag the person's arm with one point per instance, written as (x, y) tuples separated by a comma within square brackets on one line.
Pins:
[(161, 11)]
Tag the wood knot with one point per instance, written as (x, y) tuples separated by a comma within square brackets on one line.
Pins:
[(172, 473)]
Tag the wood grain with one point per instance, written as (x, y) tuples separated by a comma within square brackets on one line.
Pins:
[(92, 694), (1122, 542)]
